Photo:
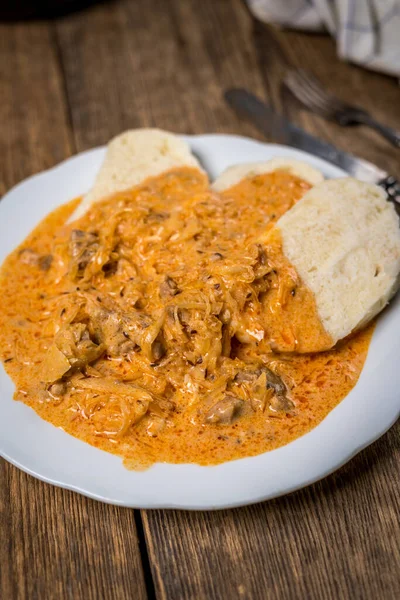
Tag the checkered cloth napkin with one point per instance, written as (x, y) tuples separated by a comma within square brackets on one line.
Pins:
[(367, 32)]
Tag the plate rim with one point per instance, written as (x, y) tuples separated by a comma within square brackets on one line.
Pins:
[(199, 141)]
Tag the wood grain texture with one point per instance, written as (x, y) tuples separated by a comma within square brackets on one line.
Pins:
[(54, 543), (159, 63), (33, 111), (336, 539), (165, 63), (62, 545)]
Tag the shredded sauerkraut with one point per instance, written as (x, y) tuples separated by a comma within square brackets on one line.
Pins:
[(160, 304), (169, 279)]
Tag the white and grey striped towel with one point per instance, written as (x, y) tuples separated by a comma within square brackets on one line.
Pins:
[(367, 32)]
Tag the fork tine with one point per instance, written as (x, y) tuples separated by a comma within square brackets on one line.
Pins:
[(320, 96), (307, 96), (313, 94), (310, 92), (317, 87), (310, 103)]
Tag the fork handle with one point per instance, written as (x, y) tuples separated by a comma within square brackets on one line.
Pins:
[(388, 133)]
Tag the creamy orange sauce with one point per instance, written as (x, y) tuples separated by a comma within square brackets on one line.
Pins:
[(292, 323), (200, 309)]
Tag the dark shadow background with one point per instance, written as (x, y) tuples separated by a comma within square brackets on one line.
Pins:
[(17, 10)]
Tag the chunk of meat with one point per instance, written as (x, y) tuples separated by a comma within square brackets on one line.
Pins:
[(29, 257), (72, 349), (110, 268), (75, 343), (108, 328), (225, 411), (275, 382), (278, 396), (158, 349), (169, 288), (120, 332), (156, 217), (247, 376), (261, 285), (261, 266), (256, 384), (280, 400), (281, 403), (32, 258), (58, 389), (83, 245), (45, 262)]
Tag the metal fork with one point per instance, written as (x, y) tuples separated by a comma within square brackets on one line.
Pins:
[(309, 91)]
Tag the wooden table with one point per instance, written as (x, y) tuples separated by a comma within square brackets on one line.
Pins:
[(73, 83)]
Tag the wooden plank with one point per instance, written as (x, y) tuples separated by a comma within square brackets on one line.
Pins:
[(55, 544), (140, 64), (166, 64), (58, 544), (335, 539), (33, 113)]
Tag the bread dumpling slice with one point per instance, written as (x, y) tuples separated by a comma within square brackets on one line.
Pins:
[(131, 158), (233, 175), (343, 241)]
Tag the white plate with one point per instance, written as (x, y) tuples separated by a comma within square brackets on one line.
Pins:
[(53, 456)]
